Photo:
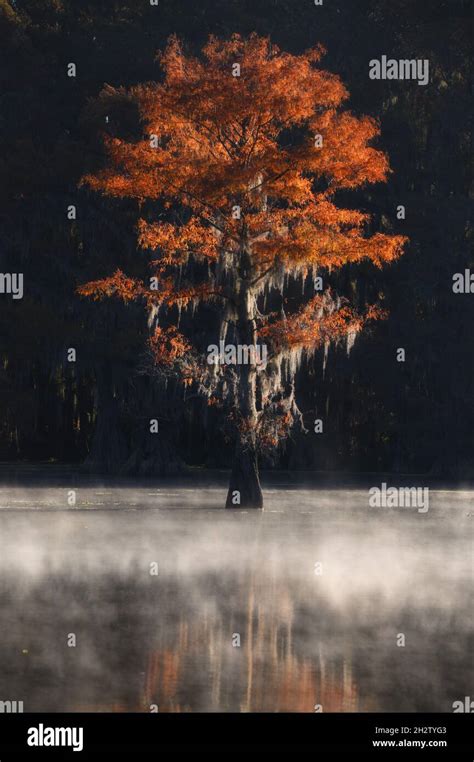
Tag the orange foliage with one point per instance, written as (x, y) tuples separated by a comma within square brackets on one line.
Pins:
[(217, 144), (118, 285), (313, 325), (177, 243), (168, 345), (213, 142)]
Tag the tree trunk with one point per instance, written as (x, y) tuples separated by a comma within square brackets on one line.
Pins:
[(244, 485), (244, 488)]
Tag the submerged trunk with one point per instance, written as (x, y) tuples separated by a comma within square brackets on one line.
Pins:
[(244, 488)]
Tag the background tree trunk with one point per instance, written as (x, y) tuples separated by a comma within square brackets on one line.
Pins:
[(109, 445)]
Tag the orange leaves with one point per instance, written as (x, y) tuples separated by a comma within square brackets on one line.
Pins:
[(322, 235), (215, 132), (213, 141), (170, 295), (346, 159), (273, 87), (309, 244), (128, 289), (117, 285), (178, 243), (272, 430), (316, 323), (168, 346), (246, 169)]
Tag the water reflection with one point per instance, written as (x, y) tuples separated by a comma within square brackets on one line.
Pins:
[(306, 638)]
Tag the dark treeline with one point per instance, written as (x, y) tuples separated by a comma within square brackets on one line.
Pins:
[(378, 414)]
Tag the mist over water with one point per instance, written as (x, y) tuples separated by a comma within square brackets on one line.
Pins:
[(306, 638)]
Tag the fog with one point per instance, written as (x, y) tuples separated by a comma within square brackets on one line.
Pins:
[(306, 604)]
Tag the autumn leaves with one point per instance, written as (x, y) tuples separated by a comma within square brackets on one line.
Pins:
[(218, 138)]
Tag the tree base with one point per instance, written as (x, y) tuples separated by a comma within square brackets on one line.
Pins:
[(244, 487)]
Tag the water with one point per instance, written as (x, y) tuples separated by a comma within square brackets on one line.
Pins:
[(319, 588)]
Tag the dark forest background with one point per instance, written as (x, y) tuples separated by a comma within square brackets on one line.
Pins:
[(379, 415)]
